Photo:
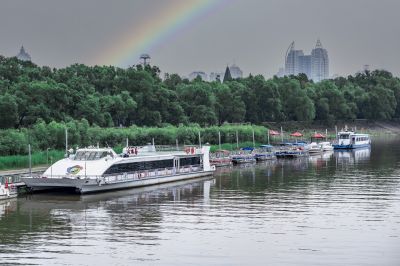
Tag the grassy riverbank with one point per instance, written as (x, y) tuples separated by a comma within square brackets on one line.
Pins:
[(22, 161)]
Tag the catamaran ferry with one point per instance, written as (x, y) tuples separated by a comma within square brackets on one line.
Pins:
[(351, 140), (100, 169)]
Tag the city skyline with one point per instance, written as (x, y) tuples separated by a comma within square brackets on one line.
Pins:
[(315, 65), (204, 35)]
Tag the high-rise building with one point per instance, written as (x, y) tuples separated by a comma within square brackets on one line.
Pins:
[(292, 62), (305, 65), (280, 73), (216, 76), (319, 63), (236, 72), (22, 55), (201, 74), (315, 66)]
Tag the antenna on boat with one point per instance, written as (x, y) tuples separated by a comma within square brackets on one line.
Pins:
[(127, 142), (282, 134), (152, 141), (177, 145), (268, 136)]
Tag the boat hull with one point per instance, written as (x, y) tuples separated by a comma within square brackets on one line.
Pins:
[(243, 160), (263, 157), (350, 146), (92, 185)]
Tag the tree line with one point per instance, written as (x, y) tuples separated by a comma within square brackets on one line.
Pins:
[(108, 96)]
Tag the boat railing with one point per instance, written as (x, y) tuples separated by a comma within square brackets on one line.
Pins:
[(135, 175)]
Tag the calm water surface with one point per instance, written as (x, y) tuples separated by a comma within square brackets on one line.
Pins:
[(341, 208)]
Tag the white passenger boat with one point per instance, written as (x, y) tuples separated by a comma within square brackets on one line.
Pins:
[(100, 169), (351, 140)]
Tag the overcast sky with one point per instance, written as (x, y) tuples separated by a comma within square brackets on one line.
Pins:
[(254, 34)]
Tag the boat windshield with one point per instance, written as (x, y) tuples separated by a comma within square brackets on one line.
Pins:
[(344, 136), (90, 155)]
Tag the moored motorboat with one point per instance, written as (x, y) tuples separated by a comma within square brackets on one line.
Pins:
[(220, 158), (244, 156), (314, 148), (351, 140), (326, 146), (100, 169), (264, 152), (291, 150)]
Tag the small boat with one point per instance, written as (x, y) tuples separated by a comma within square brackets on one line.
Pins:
[(7, 191), (351, 140), (220, 158), (245, 156), (326, 146), (314, 148), (291, 150), (265, 152)]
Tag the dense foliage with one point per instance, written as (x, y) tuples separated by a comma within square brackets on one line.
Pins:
[(52, 135), (108, 96)]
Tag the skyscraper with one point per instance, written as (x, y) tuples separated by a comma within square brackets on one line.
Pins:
[(236, 72), (319, 63), (292, 62), (195, 74), (315, 66)]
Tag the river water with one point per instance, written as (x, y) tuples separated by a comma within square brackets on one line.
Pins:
[(341, 208)]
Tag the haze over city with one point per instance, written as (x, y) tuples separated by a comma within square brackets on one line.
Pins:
[(252, 34)]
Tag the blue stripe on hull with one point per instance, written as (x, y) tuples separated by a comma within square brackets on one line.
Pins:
[(351, 146)]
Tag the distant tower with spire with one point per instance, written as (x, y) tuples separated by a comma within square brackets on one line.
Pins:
[(319, 63), (22, 55), (227, 75)]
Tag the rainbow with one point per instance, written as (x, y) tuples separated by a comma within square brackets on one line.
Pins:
[(157, 30)]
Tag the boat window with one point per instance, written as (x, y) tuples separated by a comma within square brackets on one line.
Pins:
[(90, 155), (345, 136), (189, 161), (139, 166)]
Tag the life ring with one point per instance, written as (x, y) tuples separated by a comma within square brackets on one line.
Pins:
[(193, 150), (187, 150)]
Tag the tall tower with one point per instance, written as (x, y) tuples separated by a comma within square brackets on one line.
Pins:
[(22, 55), (145, 58), (292, 60), (319, 63)]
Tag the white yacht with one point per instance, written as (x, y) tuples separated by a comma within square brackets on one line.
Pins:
[(99, 169), (351, 140), (326, 146), (314, 148)]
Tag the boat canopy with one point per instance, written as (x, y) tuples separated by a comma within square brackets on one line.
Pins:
[(247, 149)]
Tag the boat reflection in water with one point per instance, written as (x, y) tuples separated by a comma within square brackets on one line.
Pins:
[(353, 156)]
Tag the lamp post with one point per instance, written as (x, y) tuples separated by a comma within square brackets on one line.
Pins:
[(47, 156)]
